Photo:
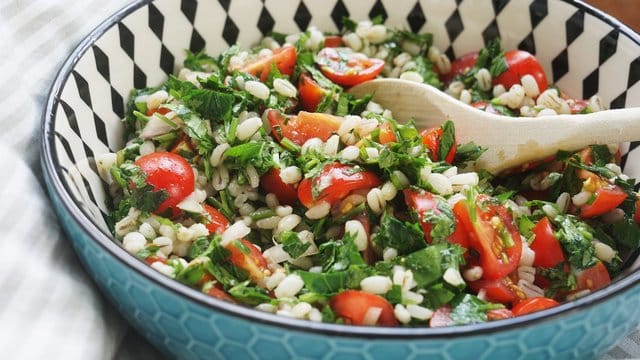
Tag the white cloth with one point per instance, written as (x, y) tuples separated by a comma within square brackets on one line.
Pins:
[(49, 308)]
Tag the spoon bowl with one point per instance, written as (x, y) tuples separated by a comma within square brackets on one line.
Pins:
[(510, 141)]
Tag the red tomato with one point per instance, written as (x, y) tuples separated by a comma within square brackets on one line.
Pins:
[(304, 126), (593, 278), (431, 139), (284, 58), (503, 290), (220, 294), (499, 314), (346, 68), (332, 41), (519, 63), (252, 262), (311, 93), (425, 201), (546, 246), (531, 305), (386, 133), (161, 110), (352, 306), (441, 317), (218, 223), (272, 183), (460, 66), (492, 234), (152, 258), (606, 199), (171, 173), (338, 181)]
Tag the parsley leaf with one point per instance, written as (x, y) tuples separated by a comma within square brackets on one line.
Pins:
[(405, 237), (292, 244), (338, 255), (469, 309), (575, 237), (249, 295), (200, 61)]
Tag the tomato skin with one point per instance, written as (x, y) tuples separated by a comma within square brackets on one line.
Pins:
[(304, 126), (220, 294), (521, 63), (606, 199), (352, 306), (253, 262), (503, 290), (431, 139), (424, 201), (531, 305), (271, 182), (460, 66), (160, 110), (484, 238), (386, 134), (311, 93), (284, 58), (218, 223), (171, 173), (546, 245), (593, 278), (152, 258), (346, 68), (332, 41), (342, 180)]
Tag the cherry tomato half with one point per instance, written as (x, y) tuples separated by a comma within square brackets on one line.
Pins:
[(519, 64), (311, 93), (284, 58), (249, 258), (347, 68), (502, 291), (531, 305), (386, 134), (492, 234), (171, 173), (271, 182), (217, 223), (546, 245), (424, 201), (431, 139), (335, 182), (304, 126), (593, 278), (460, 66), (352, 306), (606, 199), (332, 41)]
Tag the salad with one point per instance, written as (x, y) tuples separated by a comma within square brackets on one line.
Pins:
[(255, 178)]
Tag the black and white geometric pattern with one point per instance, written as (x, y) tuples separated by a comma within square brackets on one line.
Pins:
[(580, 52)]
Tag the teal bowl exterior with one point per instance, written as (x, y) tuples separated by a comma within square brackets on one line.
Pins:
[(188, 327), (186, 324)]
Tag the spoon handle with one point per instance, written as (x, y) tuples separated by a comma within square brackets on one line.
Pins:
[(516, 141)]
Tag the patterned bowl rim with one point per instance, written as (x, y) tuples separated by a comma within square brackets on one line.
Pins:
[(57, 189)]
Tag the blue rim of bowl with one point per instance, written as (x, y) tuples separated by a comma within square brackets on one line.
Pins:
[(59, 189)]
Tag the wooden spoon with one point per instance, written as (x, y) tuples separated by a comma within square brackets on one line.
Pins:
[(510, 141)]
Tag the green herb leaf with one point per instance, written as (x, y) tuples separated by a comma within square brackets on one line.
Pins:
[(405, 237), (292, 244), (249, 295)]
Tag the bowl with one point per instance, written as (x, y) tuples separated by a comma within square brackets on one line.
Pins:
[(583, 51)]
